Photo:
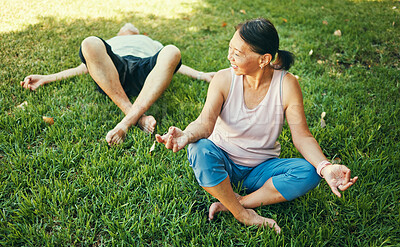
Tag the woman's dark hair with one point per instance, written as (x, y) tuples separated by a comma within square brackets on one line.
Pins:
[(263, 38)]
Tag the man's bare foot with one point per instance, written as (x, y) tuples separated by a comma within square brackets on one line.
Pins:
[(32, 82), (252, 218), (147, 124), (116, 135)]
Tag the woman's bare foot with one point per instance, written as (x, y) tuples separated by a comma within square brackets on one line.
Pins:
[(252, 218), (218, 207), (147, 123)]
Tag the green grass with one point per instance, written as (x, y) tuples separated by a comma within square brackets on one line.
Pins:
[(61, 185)]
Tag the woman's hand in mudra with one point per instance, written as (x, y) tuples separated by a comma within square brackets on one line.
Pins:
[(338, 177), (175, 139)]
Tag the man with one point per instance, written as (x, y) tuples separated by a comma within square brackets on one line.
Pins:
[(128, 64)]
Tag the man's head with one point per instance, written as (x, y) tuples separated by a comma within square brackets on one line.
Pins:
[(128, 29)]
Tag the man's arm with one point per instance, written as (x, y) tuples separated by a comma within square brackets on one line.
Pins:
[(32, 82), (186, 70)]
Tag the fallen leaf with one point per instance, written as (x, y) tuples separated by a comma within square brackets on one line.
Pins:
[(145, 34), (22, 105), (336, 160), (186, 18), (152, 147), (232, 12), (243, 11), (311, 52), (325, 22), (48, 120), (284, 20), (337, 33), (320, 62), (323, 124), (224, 24)]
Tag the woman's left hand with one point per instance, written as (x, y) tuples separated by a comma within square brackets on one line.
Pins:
[(338, 177)]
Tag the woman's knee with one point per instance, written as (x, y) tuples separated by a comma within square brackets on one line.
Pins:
[(207, 163), (301, 178), (199, 150)]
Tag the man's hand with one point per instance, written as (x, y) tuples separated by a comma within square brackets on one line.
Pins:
[(338, 177), (207, 76), (175, 139), (32, 82)]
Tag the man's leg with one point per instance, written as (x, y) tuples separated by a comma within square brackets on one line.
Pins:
[(102, 69), (156, 83)]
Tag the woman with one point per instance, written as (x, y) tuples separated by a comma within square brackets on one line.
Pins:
[(242, 119)]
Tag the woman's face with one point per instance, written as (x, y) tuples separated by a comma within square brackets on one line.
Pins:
[(243, 60)]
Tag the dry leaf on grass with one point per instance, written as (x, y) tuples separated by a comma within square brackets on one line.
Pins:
[(323, 124), (325, 22), (243, 11), (311, 52), (284, 20), (22, 105), (48, 120), (336, 160), (224, 24), (152, 147), (337, 33)]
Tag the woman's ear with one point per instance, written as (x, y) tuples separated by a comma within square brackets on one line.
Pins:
[(265, 60)]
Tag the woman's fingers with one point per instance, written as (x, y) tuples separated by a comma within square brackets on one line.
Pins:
[(160, 139), (169, 144)]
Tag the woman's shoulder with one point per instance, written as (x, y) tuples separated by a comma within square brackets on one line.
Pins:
[(224, 74), (222, 81), (291, 89)]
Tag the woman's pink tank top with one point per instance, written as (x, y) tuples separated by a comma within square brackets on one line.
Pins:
[(249, 136)]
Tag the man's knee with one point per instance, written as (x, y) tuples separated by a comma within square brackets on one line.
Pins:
[(92, 45), (172, 53)]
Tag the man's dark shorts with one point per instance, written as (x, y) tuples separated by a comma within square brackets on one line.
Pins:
[(132, 70)]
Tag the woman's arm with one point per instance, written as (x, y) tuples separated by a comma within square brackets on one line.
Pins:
[(337, 176), (32, 82), (203, 126)]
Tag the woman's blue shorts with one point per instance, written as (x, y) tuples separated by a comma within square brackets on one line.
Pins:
[(211, 165)]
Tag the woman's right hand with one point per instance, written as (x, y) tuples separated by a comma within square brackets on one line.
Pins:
[(175, 139)]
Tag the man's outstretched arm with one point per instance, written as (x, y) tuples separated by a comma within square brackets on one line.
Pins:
[(186, 70), (32, 82)]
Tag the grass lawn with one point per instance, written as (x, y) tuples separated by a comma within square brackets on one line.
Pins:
[(61, 185)]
